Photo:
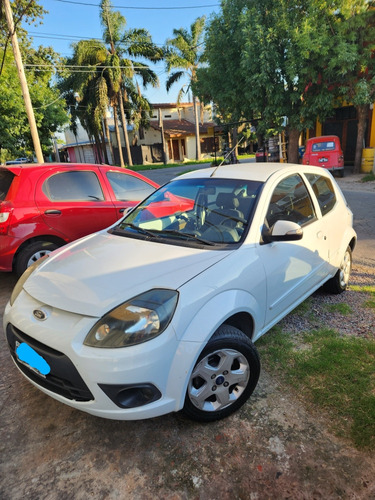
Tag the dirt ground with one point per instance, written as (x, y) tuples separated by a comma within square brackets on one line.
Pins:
[(275, 447)]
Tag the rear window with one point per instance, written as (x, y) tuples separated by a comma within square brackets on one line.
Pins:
[(323, 146), (6, 178)]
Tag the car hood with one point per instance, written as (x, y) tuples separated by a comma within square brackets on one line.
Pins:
[(95, 274)]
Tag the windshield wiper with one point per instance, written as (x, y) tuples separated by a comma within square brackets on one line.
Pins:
[(186, 236), (138, 229)]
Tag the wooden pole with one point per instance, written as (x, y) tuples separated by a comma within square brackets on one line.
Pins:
[(23, 81)]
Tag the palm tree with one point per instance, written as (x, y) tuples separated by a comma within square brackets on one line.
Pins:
[(86, 91), (184, 54), (123, 45), (108, 77)]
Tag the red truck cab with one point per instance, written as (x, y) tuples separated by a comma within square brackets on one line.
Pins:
[(325, 151)]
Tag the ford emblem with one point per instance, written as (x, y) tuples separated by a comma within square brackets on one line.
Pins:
[(39, 314)]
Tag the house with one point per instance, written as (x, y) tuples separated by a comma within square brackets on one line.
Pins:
[(80, 149), (146, 145), (178, 126)]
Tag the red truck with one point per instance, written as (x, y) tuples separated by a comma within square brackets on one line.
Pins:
[(325, 151)]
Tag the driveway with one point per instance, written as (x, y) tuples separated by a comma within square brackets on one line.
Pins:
[(275, 447)]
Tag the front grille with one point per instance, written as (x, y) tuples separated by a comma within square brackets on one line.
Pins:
[(63, 378)]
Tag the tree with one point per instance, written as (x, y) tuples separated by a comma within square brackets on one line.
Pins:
[(15, 136), (270, 65), (351, 67), (125, 44), (184, 54), (109, 79)]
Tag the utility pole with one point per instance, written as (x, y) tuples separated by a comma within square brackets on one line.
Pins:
[(22, 77), (197, 138), (162, 136)]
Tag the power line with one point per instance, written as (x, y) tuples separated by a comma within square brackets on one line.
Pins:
[(72, 38), (57, 36), (74, 67), (141, 8)]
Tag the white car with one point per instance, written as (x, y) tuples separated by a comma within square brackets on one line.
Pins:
[(159, 312)]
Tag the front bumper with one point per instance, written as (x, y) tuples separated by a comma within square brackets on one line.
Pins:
[(151, 376)]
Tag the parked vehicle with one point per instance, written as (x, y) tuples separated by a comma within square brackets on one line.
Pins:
[(159, 312), (260, 155), (325, 151), (43, 207), (17, 161)]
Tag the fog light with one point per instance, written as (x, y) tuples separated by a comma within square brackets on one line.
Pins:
[(131, 396)]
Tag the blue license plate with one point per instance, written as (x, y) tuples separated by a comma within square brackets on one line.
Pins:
[(29, 357)]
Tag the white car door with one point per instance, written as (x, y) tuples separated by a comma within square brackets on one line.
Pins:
[(294, 269)]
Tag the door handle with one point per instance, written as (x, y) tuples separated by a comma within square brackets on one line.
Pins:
[(53, 212), (321, 236)]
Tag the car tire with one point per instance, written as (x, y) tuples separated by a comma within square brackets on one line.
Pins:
[(339, 283), (224, 376), (31, 253)]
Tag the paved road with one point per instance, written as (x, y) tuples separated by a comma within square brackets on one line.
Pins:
[(362, 205)]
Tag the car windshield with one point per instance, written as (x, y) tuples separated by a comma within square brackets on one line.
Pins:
[(208, 212)]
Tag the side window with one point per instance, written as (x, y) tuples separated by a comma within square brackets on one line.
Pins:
[(290, 201), (129, 188), (73, 186), (324, 192)]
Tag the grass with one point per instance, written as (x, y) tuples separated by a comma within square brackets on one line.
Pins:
[(157, 166), (370, 290), (341, 308), (369, 177), (334, 373)]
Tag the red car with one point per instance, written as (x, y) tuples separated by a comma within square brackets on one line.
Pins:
[(45, 206), (325, 151)]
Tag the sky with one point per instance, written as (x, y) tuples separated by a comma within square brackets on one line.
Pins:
[(68, 21)]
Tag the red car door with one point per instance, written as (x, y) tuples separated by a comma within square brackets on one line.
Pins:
[(126, 188), (74, 201)]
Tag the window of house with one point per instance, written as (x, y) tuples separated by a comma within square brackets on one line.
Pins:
[(208, 145), (73, 186)]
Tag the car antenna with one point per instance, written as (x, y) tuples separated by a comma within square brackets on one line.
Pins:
[(226, 156)]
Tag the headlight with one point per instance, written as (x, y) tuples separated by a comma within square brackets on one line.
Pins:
[(19, 285), (140, 319)]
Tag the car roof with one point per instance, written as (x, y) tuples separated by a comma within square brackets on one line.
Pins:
[(252, 171), (322, 138), (17, 168)]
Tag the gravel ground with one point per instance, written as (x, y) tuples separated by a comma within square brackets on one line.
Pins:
[(361, 321)]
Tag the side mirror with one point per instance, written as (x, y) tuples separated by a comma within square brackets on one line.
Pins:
[(282, 230)]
